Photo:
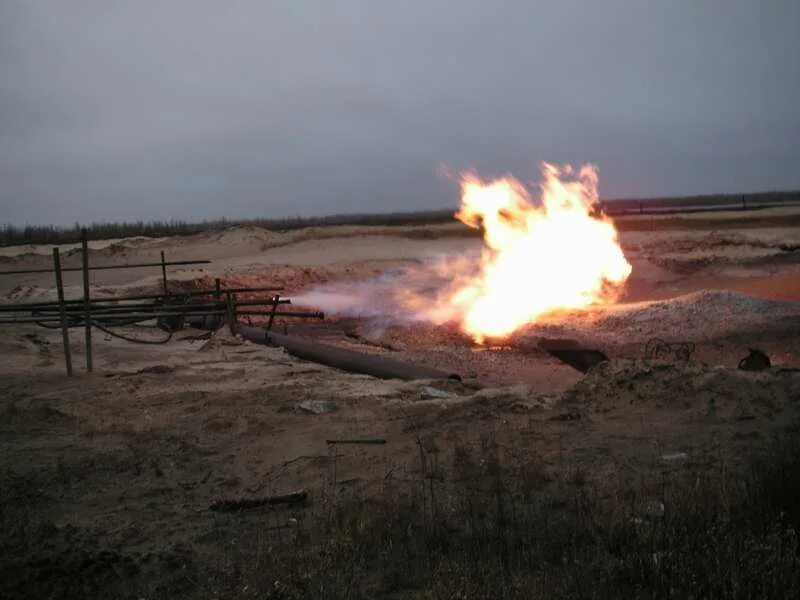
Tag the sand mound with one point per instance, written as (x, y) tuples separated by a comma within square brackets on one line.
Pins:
[(694, 389), (699, 316), (691, 252), (708, 313)]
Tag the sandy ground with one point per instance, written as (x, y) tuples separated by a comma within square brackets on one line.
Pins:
[(111, 474)]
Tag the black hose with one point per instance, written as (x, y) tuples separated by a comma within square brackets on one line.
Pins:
[(79, 322), (130, 339)]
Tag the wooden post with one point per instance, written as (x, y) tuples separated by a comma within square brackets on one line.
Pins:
[(164, 273), (87, 315), (62, 311), (231, 314), (217, 295)]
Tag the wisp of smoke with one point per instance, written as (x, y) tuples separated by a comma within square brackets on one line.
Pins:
[(416, 293)]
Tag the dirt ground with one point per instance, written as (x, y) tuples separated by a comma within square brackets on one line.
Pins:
[(108, 479)]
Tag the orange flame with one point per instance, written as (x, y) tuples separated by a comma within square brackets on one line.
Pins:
[(536, 259)]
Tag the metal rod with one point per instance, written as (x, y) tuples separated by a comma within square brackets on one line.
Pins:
[(164, 273), (162, 308), (191, 294), (86, 301), (62, 311), (102, 267), (272, 316), (315, 314), (146, 316)]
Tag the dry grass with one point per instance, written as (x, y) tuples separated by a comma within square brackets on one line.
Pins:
[(493, 522), (485, 520)]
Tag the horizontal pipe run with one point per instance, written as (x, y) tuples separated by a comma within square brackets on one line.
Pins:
[(153, 315), (128, 308), (101, 267), (191, 294), (282, 313), (277, 313), (341, 358)]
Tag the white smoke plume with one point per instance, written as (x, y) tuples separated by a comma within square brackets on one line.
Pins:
[(416, 293)]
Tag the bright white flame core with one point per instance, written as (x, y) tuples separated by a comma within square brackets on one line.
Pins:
[(537, 259)]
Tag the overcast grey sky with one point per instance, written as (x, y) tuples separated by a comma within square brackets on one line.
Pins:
[(191, 109)]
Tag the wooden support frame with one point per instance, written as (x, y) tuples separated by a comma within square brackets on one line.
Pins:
[(275, 302), (164, 274), (87, 305), (62, 310)]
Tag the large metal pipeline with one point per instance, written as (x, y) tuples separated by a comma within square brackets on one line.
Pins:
[(340, 358)]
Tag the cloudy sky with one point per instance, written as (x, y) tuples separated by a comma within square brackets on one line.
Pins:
[(191, 109)]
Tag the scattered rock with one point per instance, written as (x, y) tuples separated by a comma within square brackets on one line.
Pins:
[(570, 415), (315, 407), (572, 353), (523, 406), (430, 393), (33, 337), (221, 337), (652, 508), (755, 361), (157, 370), (674, 457), (514, 392)]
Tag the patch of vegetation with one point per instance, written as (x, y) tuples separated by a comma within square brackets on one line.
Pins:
[(483, 521), (490, 522)]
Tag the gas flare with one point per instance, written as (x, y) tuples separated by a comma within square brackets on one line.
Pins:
[(536, 258)]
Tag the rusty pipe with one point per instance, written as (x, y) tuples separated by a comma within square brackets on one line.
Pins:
[(174, 296), (341, 358)]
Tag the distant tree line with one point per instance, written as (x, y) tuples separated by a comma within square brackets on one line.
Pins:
[(48, 234), (703, 202)]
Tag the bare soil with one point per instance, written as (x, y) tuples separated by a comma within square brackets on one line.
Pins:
[(108, 478)]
